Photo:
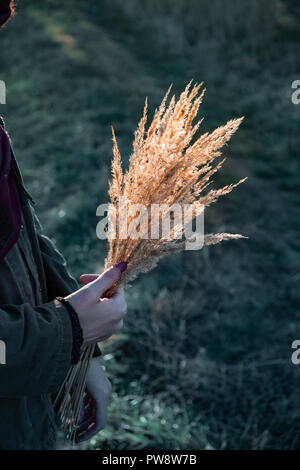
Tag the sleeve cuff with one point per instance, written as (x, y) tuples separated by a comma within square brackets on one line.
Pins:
[(64, 347), (76, 329)]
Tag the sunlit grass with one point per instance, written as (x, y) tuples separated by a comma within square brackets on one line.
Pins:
[(206, 344)]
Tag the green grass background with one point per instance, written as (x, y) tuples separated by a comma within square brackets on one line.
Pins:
[(204, 360)]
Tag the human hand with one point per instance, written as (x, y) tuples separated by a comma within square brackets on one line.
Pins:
[(99, 317), (95, 403)]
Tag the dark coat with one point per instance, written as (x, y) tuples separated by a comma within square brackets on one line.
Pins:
[(37, 334)]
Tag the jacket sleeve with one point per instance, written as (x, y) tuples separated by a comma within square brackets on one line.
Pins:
[(38, 346), (58, 279)]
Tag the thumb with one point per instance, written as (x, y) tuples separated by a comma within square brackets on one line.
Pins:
[(106, 280), (87, 278)]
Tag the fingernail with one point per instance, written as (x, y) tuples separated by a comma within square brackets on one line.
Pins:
[(122, 266)]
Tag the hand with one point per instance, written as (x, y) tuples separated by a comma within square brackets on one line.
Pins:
[(99, 317), (95, 403)]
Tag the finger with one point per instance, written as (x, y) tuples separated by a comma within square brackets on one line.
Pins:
[(83, 427), (87, 278), (118, 302), (117, 297), (119, 292), (106, 280), (113, 293), (114, 308), (86, 414), (99, 425), (87, 406), (86, 398), (92, 428), (86, 411), (86, 435)]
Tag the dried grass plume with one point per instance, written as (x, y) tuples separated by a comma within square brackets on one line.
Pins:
[(166, 167)]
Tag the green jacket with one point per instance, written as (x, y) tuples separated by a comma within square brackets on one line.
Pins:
[(37, 335)]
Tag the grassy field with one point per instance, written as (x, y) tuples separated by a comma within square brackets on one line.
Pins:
[(204, 360)]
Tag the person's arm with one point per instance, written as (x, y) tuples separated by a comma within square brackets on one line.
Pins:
[(38, 344), (59, 281), (39, 340)]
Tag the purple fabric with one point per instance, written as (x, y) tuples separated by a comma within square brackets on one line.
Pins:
[(10, 206), (6, 11)]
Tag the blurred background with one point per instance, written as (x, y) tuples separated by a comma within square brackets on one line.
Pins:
[(204, 360)]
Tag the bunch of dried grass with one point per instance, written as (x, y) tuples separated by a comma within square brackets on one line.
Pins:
[(165, 168)]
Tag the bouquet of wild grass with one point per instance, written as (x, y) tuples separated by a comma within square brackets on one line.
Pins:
[(166, 169)]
